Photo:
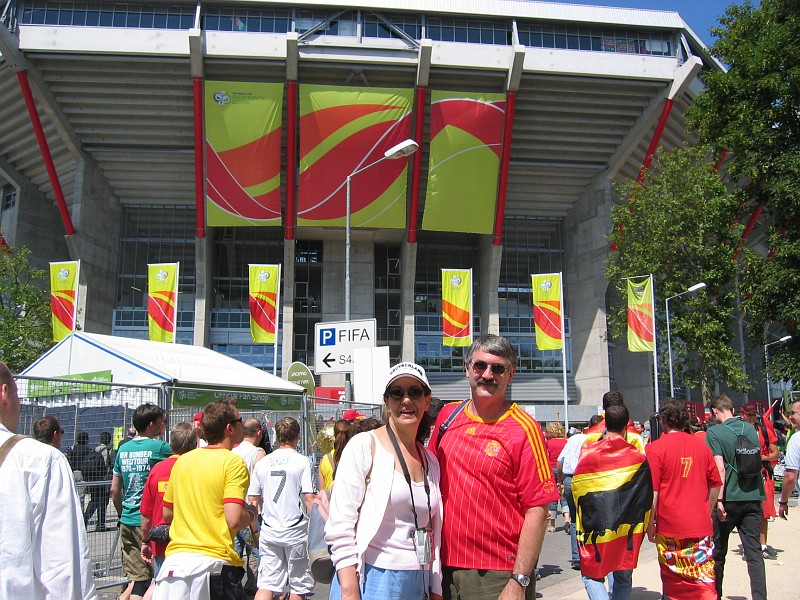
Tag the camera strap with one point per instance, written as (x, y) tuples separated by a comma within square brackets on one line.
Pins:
[(407, 475)]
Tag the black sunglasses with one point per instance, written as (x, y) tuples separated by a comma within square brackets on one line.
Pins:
[(480, 366), (398, 393), (239, 420)]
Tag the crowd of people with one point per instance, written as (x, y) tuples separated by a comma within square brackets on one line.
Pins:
[(452, 506)]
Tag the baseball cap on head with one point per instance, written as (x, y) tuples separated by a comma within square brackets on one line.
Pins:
[(198, 417), (749, 409), (408, 369), (352, 415)]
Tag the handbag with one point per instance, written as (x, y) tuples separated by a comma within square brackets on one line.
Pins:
[(160, 534)]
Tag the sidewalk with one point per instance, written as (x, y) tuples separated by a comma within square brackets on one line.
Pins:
[(780, 583)]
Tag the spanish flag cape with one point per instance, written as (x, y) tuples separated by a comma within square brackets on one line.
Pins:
[(613, 494)]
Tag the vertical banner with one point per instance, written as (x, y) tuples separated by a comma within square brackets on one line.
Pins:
[(64, 297), (456, 307), (343, 129), (641, 317), (547, 311), (466, 136), (265, 289), (243, 153), (162, 301)]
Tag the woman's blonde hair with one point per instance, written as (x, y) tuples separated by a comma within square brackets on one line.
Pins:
[(555, 429)]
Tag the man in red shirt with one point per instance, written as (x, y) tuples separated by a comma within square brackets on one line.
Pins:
[(496, 483), (686, 484), (768, 442), (183, 438)]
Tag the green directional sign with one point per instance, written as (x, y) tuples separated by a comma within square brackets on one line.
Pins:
[(301, 375)]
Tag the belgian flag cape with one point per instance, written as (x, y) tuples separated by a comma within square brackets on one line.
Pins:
[(613, 494)]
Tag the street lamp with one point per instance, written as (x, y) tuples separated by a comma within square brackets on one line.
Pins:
[(401, 150), (694, 288), (785, 338)]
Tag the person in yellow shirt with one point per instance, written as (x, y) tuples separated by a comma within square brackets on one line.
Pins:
[(327, 466), (598, 431)]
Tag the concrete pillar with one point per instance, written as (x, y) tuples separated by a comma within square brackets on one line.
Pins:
[(408, 266), (203, 289), (288, 305), (491, 258)]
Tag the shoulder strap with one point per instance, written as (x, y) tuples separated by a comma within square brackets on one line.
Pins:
[(8, 445), (443, 427)]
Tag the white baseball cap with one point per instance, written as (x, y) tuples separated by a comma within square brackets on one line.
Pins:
[(408, 369)]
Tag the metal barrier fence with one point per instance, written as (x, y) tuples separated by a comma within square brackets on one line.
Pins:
[(98, 407)]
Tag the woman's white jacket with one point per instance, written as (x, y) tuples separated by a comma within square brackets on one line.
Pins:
[(357, 509)]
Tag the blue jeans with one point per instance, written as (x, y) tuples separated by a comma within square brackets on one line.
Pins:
[(573, 537), (387, 584), (619, 582)]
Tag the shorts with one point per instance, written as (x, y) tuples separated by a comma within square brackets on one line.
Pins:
[(284, 564), (133, 567), (386, 584), (478, 584), (769, 502)]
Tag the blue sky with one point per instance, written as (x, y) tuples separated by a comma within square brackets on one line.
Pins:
[(701, 15)]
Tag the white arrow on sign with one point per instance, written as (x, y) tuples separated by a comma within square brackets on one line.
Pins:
[(335, 342)]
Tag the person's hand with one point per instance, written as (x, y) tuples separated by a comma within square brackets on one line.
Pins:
[(783, 511), (722, 514), (146, 553), (513, 591), (651, 532)]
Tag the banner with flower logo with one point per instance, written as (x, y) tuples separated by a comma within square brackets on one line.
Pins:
[(641, 318), (265, 291), (64, 297), (547, 311), (456, 307), (162, 301)]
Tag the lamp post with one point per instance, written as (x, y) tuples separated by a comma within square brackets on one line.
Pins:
[(785, 338), (694, 288), (401, 150)]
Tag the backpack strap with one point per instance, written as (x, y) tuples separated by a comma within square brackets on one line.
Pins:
[(443, 427), (8, 445)]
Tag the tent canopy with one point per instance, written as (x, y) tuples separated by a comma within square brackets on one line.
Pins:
[(141, 362)]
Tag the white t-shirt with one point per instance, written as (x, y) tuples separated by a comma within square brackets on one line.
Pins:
[(248, 451), (281, 479), (793, 452)]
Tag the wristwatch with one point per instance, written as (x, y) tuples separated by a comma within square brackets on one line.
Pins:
[(523, 580)]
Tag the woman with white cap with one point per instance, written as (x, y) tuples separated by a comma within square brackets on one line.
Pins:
[(386, 509)]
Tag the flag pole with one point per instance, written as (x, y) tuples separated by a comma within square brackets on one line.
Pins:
[(277, 321), (655, 345), (564, 353), (177, 287)]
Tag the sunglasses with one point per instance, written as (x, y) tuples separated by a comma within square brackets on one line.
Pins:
[(61, 431), (398, 393), (480, 366), (239, 420)]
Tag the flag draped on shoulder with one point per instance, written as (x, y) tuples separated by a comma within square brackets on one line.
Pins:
[(547, 307), (63, 297), (162, 301), (456, 307), (641, 317), (264, 300), (613, 493)]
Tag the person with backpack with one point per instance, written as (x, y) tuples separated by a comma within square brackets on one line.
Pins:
[(94, 467), (734, 445)]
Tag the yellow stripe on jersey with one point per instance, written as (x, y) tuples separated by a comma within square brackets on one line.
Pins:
[(531, 427)]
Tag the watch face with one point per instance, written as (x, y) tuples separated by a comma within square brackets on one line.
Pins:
[(523, 580)]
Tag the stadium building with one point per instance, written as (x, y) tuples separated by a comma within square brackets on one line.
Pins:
[(115, 149)]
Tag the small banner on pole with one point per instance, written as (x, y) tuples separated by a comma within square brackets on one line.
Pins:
[(64, 297), (162, 301), (264, 300), (547, 307), (456, 307), (641, 318)]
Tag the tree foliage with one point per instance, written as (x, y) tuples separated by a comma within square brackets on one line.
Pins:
[(25, 328), (680, 225), (753, 110)]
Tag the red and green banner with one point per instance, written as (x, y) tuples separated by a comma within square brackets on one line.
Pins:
[(265, 291), (613, 494), (162, 301), (64, 297), (342, 130), (641, 318), (466, 136), (547, 307), (456, 307), (243, 153)]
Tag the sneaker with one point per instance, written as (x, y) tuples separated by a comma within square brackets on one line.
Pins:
[(769, 553), (576, 565), (538, 575)]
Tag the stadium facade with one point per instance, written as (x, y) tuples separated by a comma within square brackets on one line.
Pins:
[(102, 159)]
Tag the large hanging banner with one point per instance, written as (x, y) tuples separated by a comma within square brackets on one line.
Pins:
[(456, 307), (64, 297), (162, 301), (343, 129), (466, 137), (641, 318), (265, 286), (243, 153), (547, 307)]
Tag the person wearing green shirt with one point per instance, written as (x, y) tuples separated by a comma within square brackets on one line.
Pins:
[(131, 467)]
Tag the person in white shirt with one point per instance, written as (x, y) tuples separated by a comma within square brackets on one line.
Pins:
[(281, 488), (792, 462), (44, 554)]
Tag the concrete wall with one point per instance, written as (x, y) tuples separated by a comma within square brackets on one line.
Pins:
[(35, 224)]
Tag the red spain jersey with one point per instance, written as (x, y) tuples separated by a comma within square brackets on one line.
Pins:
[(492, 473)]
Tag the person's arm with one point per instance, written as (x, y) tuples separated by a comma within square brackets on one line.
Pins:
[(238, 516), (789, 482), (722, 514), (116, 493), (713, 495), (146, 551), (530, 545), (168, 514), (309, 500), (774, 454), (651, 524), (348, 581)]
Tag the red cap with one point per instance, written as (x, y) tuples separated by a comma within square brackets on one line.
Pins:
[(352, 415), (198, 417), (750, 409)]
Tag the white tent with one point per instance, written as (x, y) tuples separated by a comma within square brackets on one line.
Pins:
[(141, 362)]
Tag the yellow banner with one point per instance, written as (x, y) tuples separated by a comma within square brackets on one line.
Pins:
[(547, 307), (63, 297), (456, 307), (162, 301), (641, 318), (265, 285)]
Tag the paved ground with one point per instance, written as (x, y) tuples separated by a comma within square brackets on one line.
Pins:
[(560, 582)]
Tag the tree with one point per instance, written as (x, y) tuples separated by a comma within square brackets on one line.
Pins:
[(753, 110), (680, 225), (25, 329)]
